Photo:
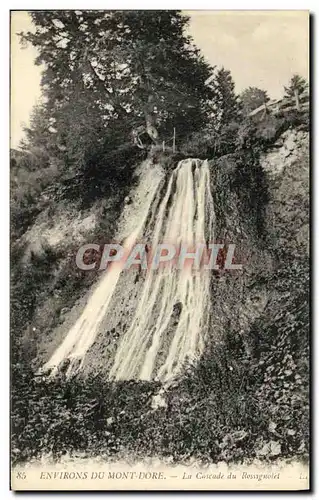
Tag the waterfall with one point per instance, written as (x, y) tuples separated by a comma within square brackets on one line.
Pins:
[(171, 317), (83, 333)]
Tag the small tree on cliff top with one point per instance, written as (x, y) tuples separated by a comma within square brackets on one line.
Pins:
[(225, 111), (297, 86), (225, 102)]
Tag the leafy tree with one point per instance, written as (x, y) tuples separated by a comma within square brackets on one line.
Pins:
[(251, 98), (297, 86), (135, 66)]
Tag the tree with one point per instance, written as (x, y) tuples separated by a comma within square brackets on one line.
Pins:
[(225, 103), (251, 98), (135, 66), (225, 111), (297, 86)]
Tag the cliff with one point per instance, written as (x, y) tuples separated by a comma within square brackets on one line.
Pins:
[(250, 384)]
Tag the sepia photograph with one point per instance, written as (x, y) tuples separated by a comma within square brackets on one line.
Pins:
[(159, 250)]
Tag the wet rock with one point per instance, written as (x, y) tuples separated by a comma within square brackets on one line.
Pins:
[(158, 401), (177, 308)]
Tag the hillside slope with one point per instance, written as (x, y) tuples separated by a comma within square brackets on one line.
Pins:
[(249, 390)]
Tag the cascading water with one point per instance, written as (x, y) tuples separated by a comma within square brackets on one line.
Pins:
[(157, 343), (188, 220), (83, 333)]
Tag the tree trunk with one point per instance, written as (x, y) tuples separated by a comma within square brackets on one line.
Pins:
[(296, 92), (150, 119), (151, 128)]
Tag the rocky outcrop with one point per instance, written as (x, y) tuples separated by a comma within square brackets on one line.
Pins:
[(287, 167), (291, 146)]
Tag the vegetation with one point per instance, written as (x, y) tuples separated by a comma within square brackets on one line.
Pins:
[(229, 407), (130, 67), (251, 98), (115, 85), (297, 86)]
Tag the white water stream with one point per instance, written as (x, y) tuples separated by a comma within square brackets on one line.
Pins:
[(185, 216)]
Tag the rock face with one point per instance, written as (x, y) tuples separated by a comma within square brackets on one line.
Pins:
[(287, 168), (286, 152)]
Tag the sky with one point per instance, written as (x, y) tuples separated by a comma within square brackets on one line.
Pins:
[(260, 48)]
